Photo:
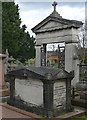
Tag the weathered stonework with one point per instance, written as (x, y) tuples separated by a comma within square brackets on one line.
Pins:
[(31, 92), (59, 94), (55, 29), (3, 88), (42, 90), (68, 35)]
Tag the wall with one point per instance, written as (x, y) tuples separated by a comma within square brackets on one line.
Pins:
[(30, 90)]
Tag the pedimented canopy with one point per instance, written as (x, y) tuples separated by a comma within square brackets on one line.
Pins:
[(54, 22)]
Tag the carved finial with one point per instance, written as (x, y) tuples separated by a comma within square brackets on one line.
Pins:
[(54, 5)]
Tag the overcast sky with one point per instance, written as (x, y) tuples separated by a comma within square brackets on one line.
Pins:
[(31, 13)]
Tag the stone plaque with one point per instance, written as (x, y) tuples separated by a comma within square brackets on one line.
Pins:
[(59, 94), (30, 90)]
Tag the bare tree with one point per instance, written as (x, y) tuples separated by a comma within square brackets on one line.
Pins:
[(82, 43)]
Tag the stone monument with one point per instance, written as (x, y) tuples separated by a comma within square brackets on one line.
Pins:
[(3, 88), (82, 84), (41, 90), (55, 29), (6, 63)]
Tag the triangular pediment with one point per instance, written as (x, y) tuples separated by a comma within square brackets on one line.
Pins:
[(55, 23), (51, 24)]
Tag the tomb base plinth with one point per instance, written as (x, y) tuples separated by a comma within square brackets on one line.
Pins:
[(44, 91)]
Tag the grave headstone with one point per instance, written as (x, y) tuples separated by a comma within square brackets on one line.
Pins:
[(2, 61), (3, 89), (82, 84)]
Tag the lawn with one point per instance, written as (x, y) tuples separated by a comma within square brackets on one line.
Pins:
[(84, 117)]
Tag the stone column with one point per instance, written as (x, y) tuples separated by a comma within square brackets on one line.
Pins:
[(69, 63), (43, 55), (48, 98), (38, 56), (76, 73), (72, 61), (76, 66), (12, 88), (11, 100), (68, 96)]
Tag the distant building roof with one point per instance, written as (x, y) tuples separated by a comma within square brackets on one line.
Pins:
[(54, 57)]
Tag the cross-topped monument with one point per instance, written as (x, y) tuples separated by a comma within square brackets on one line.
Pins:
[(54, 5), (55, 29)]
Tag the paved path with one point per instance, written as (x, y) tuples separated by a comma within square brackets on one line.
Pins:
[(7, 113), (13, 112)]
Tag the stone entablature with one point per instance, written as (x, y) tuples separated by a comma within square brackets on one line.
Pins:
[(41, 90), (56, 29), (64, 35)]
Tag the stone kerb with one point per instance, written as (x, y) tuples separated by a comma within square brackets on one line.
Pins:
[(46, 84)]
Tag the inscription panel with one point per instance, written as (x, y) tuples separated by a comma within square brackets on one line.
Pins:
[(30, 90), (59, 94)]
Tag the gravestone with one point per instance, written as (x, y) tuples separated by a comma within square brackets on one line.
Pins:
[(3, 88), (42, 90), (55, 29), (82, 84), (2, 61)]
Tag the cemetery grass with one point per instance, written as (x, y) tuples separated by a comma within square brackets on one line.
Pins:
[(84, 117)]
